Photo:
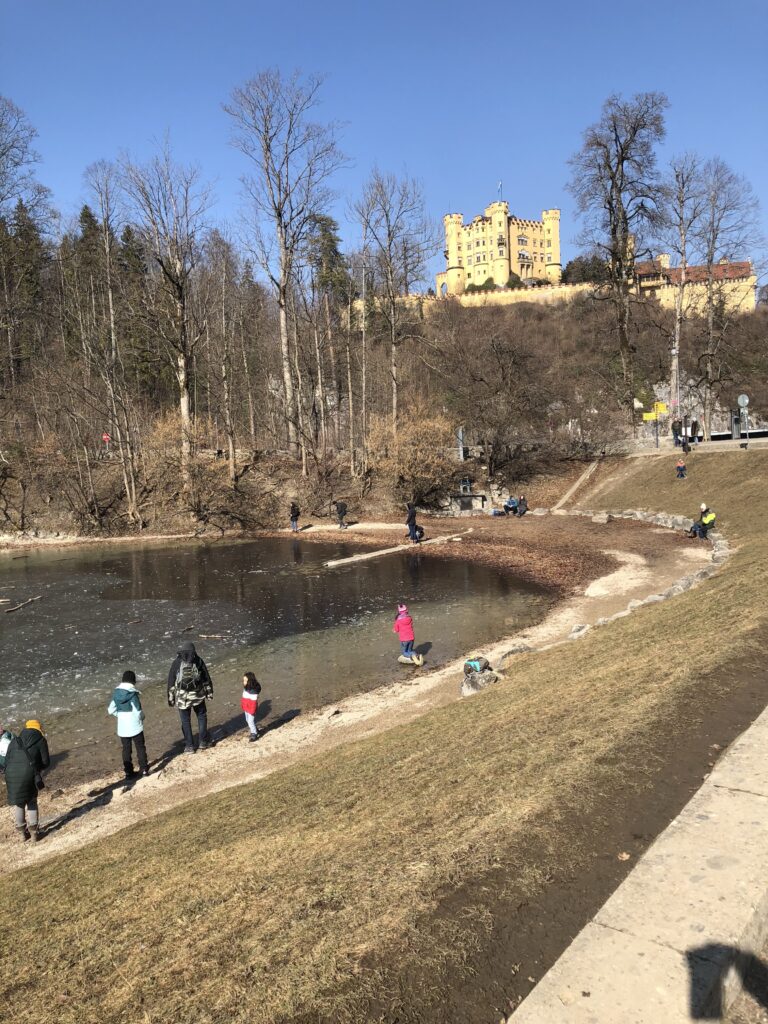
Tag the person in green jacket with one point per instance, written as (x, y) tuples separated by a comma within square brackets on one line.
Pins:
[(27, 756)]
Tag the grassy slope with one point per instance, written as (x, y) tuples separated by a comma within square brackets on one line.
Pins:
[(259, 904)]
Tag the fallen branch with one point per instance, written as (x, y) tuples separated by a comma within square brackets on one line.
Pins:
[(214, 636), (22, 605)]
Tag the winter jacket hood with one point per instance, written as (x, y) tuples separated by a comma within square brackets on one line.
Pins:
[(126, 697)]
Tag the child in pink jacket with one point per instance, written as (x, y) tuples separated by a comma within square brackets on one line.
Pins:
[(404, 628)]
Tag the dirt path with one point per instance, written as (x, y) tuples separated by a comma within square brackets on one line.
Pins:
[(649, 560)]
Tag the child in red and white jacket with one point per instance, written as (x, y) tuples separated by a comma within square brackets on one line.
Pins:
[(249, 702)]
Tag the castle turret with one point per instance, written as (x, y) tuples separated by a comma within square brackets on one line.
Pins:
[(455, 274), (498, 241), (553, 267)]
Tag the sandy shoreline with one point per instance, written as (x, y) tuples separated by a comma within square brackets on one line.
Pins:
[(83, 813)]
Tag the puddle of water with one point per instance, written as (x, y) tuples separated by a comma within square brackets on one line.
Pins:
[(312, 635)]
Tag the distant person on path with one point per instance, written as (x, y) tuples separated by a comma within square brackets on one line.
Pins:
[(522, 506), (410, 522), (249, 702), (341, 511), (27, 756), (681, 468), (695, 430), (126, 707), (294, 513), (189, 685), (677, 428), (704, 523), (510, 506)]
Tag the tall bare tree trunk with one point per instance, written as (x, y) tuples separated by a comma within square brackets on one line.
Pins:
[(350, 393), (289, 395)]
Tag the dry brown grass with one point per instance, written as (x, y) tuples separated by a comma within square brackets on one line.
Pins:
[(261, 904)]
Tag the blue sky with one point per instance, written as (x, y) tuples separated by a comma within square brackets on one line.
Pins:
[(459, 95)]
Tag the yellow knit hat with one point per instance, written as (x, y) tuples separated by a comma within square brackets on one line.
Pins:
[(33, 724)]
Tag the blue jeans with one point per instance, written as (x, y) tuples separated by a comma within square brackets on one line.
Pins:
[(412, 531), (406, 648), (185, 714), (295, 525), (680, 473)]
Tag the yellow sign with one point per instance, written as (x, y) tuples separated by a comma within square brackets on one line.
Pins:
[(648, 416), (660, 408)]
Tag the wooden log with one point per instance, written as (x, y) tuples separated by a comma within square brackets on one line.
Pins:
[(22, 605)]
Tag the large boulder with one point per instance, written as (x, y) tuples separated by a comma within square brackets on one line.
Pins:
[(477, 681)]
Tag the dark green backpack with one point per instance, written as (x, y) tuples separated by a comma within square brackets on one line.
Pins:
[(188, 678)]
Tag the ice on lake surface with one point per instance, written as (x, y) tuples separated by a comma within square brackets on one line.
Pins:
[(311, 634)]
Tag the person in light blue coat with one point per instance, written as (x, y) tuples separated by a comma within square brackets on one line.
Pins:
[(126, 707)]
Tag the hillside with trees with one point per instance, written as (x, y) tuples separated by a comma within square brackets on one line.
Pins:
[(158, 369)]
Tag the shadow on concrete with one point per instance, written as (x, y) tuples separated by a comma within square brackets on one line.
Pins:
[(709, 967)]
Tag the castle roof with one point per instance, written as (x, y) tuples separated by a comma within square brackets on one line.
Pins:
[(694, 274)]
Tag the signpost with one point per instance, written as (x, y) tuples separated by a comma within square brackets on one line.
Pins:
[(659, 409), (743, 401), (106, 438)]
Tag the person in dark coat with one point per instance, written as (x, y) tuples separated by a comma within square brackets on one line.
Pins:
[(522, 506), (27, 756), (189, 686), (294, 514), (341, 511), (410, 522)]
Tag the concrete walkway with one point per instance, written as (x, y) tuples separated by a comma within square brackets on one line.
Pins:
[(670, 945)]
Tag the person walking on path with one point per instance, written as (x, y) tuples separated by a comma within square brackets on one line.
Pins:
[(410, 522), (249, 702), (26, 757), (681, 468), (677, 428), (403, 627), (189, 686), (294, 513), (126, 707), (341, 511)]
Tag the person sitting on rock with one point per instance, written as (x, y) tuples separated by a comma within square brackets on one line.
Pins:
[(510, 506), (704, 523), (522, 506)]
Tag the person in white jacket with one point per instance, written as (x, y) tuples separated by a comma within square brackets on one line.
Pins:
[(126, 707)]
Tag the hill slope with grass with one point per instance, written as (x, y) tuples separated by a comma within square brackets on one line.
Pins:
[(360, 885)]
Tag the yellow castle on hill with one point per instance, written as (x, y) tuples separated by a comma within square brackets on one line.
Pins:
[(496, 245)]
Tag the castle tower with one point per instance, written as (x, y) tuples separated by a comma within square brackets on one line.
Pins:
[(498, 242), (553, 266), (455, 274)]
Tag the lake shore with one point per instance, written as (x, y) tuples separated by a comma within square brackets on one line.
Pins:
[(596, 569)]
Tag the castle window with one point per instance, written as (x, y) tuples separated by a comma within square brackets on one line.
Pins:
[(549, 244)]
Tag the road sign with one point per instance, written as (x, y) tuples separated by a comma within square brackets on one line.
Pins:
[(743, 401), (106, 438), (660, 408), (649, 417)]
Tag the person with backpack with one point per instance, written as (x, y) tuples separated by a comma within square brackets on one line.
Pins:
[(341, 511), (126, 707), (189, 686), (249, 702), (410, 522), (27, 755), (294, 514)]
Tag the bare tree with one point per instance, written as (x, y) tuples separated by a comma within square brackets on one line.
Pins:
[(400, 240), (171, 204), (293, 159), (17, 159), (727, 230), (682, 211), (615, 183)]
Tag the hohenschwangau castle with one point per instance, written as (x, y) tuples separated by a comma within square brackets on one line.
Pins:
[(497, 245)]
